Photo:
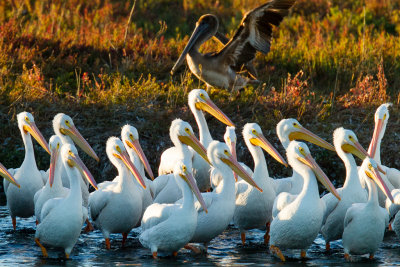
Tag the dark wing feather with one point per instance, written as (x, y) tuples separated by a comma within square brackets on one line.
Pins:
[(254, 33)]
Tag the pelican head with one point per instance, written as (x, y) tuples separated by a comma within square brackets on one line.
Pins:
[(206, 27), (27, 125), (199, 100), (183, 170), (71, 160), (253, 136), (299, 157), (290, 129), (130, 138), (6, 175), (381, 119), (64, 127), (369, 169), (55, 144), (182, 133), (230, 140), (221, 158), (347, 141), (118, 155)]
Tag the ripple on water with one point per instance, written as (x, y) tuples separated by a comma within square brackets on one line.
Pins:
[(19, 248)]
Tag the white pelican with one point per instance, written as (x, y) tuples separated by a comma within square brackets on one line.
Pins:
[(53, 187), (287, 189), (116, 207), (62, 218), (199, 102), (7, 175), (221, 202), (230, 139), (346, 144), (254, 208), (20, 200), (297, 224), (392, 175), (168, 227), (130, 138), (365, 223), (181, 134), (64, 127)]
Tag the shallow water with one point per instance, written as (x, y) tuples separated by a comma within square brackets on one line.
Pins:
[(19, 248)]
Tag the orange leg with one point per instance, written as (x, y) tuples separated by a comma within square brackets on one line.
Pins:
[(14, 222), (390, 227), (243, 237), (266, 236), (371, 256), (277, 251), (37, 222), (124, 237), (327, 246), (175, 253), (89, 227), (303, 254), (347, 257), (66, 255), (192, 248), (108, 246), (44, 251), (155, 255)]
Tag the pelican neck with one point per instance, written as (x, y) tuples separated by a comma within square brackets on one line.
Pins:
[(204, 133), (352, 181), (29, 151), (261, 175), (310, 185)]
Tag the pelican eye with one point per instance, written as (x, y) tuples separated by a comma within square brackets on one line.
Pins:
[(184, 168), (131, 136), (67, 123), (351, 137), (187, 130), (118, 149), (26, 119), (58, 145), (384, 117), (254, 132)]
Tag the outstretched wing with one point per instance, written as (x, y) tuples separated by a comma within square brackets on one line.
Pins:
[(254, 33)]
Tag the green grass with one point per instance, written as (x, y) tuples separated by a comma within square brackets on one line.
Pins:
[(331, 64)]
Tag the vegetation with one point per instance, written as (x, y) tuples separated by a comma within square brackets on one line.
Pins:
[(331, 64)]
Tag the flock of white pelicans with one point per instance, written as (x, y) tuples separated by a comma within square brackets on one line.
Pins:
[(171, 210)]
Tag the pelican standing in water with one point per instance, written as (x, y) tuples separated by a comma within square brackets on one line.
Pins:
[(221, 202), (130, 138), (117, 206), (20, 200), (62, 218), (347, 145), (181, 134), (199, 102), (222, 69), (254, 208), (297, 225), (287, 189), (53, 187), (168, 227), (365, 223)]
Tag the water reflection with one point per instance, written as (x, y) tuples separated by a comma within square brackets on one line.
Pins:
[(226, 250)]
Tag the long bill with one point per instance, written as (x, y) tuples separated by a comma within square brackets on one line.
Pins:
[(53, 162), (192, 41), (358, 151), (7, 175), (188, 177), (34, 131), (262, 142), (135, 145), (211, 108), (375, 138), (77, 162), (236, 167), (81, 142), (374, 174), (194, 143), (128, 163), (306, 135), (319, 173)]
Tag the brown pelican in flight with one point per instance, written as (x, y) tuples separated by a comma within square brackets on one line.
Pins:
[(224, 68)]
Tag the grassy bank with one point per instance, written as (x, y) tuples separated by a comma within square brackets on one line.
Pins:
[(331, 64)]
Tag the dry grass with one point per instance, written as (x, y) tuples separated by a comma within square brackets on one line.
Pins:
[(331, 64)]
